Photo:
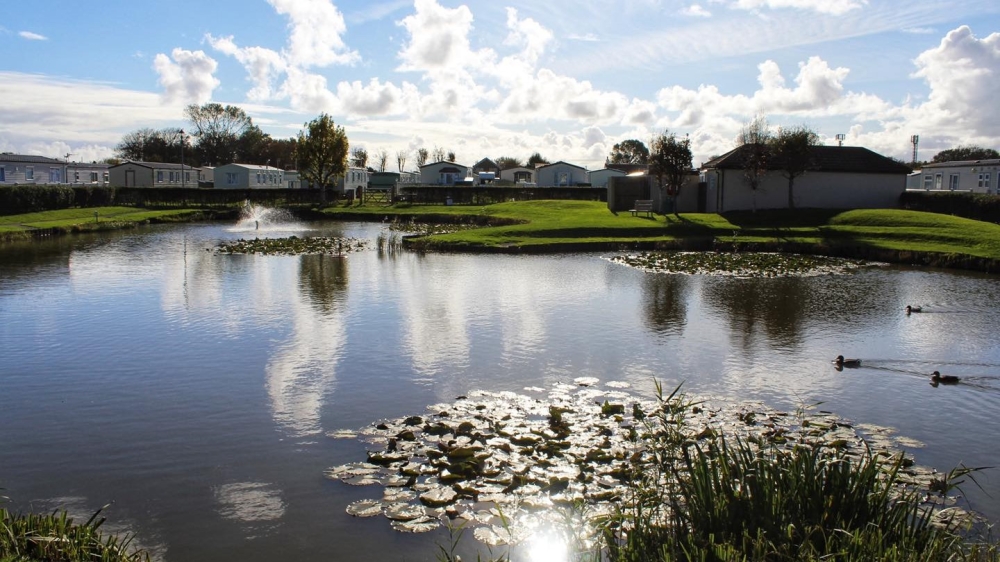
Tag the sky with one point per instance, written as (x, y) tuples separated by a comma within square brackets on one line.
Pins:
[(485, 79)]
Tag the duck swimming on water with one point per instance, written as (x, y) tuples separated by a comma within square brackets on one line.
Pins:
[(937, 378), (910, 309), (841, 362)]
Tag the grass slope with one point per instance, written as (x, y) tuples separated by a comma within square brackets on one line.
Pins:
[(83, 219), (554, 223)]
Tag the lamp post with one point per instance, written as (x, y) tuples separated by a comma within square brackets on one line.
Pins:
[(183, 183)]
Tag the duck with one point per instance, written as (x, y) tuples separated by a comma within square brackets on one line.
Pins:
[(841, 362), (938, 378), (910, 309)]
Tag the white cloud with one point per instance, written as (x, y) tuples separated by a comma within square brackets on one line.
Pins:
[(315, 29), (263, 66), (696, 10), (31, 36), (439, 39), (920, 30), (833, 7), (188, 78)]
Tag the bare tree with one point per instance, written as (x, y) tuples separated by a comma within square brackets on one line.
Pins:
[(670, 162), (451, 156), (793, 154), (422, 156), (382, 158), (218, 129), (359, 157), (438, 154), (755, 152), (401, 156)]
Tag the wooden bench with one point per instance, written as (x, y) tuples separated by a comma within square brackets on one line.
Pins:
[(642, 206)]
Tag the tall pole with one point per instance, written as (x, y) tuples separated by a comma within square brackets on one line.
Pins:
[(183, 183)]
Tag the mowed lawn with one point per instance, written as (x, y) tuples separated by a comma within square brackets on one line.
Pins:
[(560, 222), (83, 217)]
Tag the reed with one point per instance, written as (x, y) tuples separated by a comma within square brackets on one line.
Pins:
[(57, 538)]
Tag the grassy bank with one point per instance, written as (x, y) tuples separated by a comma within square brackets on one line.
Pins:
[(63, 221), (539, 226), (57, 538)]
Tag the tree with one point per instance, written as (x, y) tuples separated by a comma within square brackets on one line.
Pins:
[(422, 156), (629, 152), (670, 163), (321, 152), (252, 145), (508, 162), (438, 154), (792, 152), (218, 129), (401, 156), (150, 145), (968, 152), (535, 159), (281, 152), (754, 144), (382, 158), (450, 156), (359, 157)]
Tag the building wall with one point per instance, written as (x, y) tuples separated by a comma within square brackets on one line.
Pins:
[(352, 179), (87, 175), (431, 174), (32, 173), (726, 191), (119, 174), (599, 178), (560, 174), (976, 178), (524, 175), (246, 176)]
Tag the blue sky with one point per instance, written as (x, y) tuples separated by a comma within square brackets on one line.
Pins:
[(490, 79)]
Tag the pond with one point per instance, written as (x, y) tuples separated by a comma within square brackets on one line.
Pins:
[(196, 390)]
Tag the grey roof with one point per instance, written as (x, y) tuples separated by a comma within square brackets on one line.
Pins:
[(28, 159), (157, 165), (854, 159), (562, 163), (88, 165), (963, 163)]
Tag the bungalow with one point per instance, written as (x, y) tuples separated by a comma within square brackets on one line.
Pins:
[(977, 176), (599, 178), (353, 179), (21, 168), (443, 173), (842, 177), (153, 174), (518, 175), (248, 176), (486, 166), (79, 173), (561, 174)]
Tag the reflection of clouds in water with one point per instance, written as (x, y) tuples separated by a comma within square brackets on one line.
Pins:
[(302, 372), (511, 292), (80, 510), (250, 502)]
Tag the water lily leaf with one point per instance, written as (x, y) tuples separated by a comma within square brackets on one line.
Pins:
[(365, 508)]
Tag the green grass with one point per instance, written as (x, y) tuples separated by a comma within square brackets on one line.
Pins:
[(57, 538), (83, 219), (537, 224)]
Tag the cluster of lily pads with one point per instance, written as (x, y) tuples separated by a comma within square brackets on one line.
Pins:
[(737, 264), (507, 464), (292, 246)]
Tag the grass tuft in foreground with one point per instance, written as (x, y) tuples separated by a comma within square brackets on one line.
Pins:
[(723, 501), (56, 538)]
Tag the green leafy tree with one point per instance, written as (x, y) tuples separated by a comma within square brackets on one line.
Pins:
[(670, 163), (536, 159), (359, 157), (321, 153), (252, 146), (968, 152), (754, 143), (218, 129), (281, 152), (450, 156), (508, 162), (792, 152), (630, 151)]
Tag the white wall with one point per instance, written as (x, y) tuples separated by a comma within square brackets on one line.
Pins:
[(820, 190)]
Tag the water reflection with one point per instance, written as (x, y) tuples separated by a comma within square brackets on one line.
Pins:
[(774, 308), (258, 506), (666, 297), (323, 280)]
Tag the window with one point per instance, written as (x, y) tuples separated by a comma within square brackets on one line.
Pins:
[(928, 181), (29, 172), (76, 177), (984, 181), (258, 177), (187, 176), (953, 181), (159, 176), (93, 177), (231, 178), (937, 181), (3, 174), (170, 177)]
